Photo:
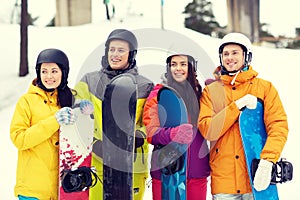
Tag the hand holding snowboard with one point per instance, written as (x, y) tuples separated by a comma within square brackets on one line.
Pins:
[(262, 176), (182, 134), (86, 107), (249, 101), (65, 116)]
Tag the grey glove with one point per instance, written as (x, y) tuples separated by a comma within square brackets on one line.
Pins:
[(65, 116)]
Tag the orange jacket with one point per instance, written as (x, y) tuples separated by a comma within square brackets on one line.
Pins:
[(218, 122)]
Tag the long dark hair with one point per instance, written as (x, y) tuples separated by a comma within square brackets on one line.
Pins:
[(190, 90)]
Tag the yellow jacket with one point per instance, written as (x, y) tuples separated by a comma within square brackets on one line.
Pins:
[(34, 131), (218, 122)]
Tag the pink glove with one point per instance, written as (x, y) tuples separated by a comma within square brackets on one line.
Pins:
[(182, 134)]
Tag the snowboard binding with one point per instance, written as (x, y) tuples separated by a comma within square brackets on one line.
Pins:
[(170, 159), (174, 167), (282, 171), (79, 179)]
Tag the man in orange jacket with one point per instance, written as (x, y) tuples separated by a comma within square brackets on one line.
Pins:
[(237, 86)]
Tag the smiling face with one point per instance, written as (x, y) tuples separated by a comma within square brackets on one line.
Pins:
[(51, 75), (232, 57), (118, 53), (179, 68)]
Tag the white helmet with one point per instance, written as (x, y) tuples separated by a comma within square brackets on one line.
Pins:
[(240, 39)]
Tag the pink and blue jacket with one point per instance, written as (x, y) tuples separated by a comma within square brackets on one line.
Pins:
[(198, 152)]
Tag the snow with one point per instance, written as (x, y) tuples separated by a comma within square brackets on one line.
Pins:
[(83, 43)]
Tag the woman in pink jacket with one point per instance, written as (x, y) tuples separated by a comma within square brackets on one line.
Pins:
[(181, 75)]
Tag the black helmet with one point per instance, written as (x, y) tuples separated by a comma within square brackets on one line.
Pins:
[(53, 56), (121, 34)]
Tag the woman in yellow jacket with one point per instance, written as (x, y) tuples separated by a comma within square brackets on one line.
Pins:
[(35, 124), (237, 86)]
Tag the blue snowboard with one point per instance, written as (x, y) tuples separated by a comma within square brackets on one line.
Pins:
[(172, 112), (254, 137)]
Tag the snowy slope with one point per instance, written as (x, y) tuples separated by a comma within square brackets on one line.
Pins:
[(82, 42)]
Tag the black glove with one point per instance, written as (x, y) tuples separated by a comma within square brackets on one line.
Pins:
[(97, 147), (139, 142), (139, 139)]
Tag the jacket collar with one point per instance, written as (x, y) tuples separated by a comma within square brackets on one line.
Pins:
[(112, 73), (46, 96), (241, 77)]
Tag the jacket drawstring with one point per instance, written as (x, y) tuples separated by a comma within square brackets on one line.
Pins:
[(234, 78)]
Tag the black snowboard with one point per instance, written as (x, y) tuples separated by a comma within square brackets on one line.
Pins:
[(119, 110)]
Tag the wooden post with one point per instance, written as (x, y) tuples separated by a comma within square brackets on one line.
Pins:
[(24, 40), (243, 16), (73, 12)]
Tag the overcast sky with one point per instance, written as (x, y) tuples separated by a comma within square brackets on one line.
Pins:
[(282, 19)]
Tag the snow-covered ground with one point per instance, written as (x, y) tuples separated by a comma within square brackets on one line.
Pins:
[(83, 45)]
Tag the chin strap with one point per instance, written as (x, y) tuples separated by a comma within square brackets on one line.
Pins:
[(234, 78), (234, 73)]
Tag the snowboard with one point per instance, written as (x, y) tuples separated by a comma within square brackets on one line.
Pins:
[(172, 157), (75, 149), (254, 136), (118, 119)]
